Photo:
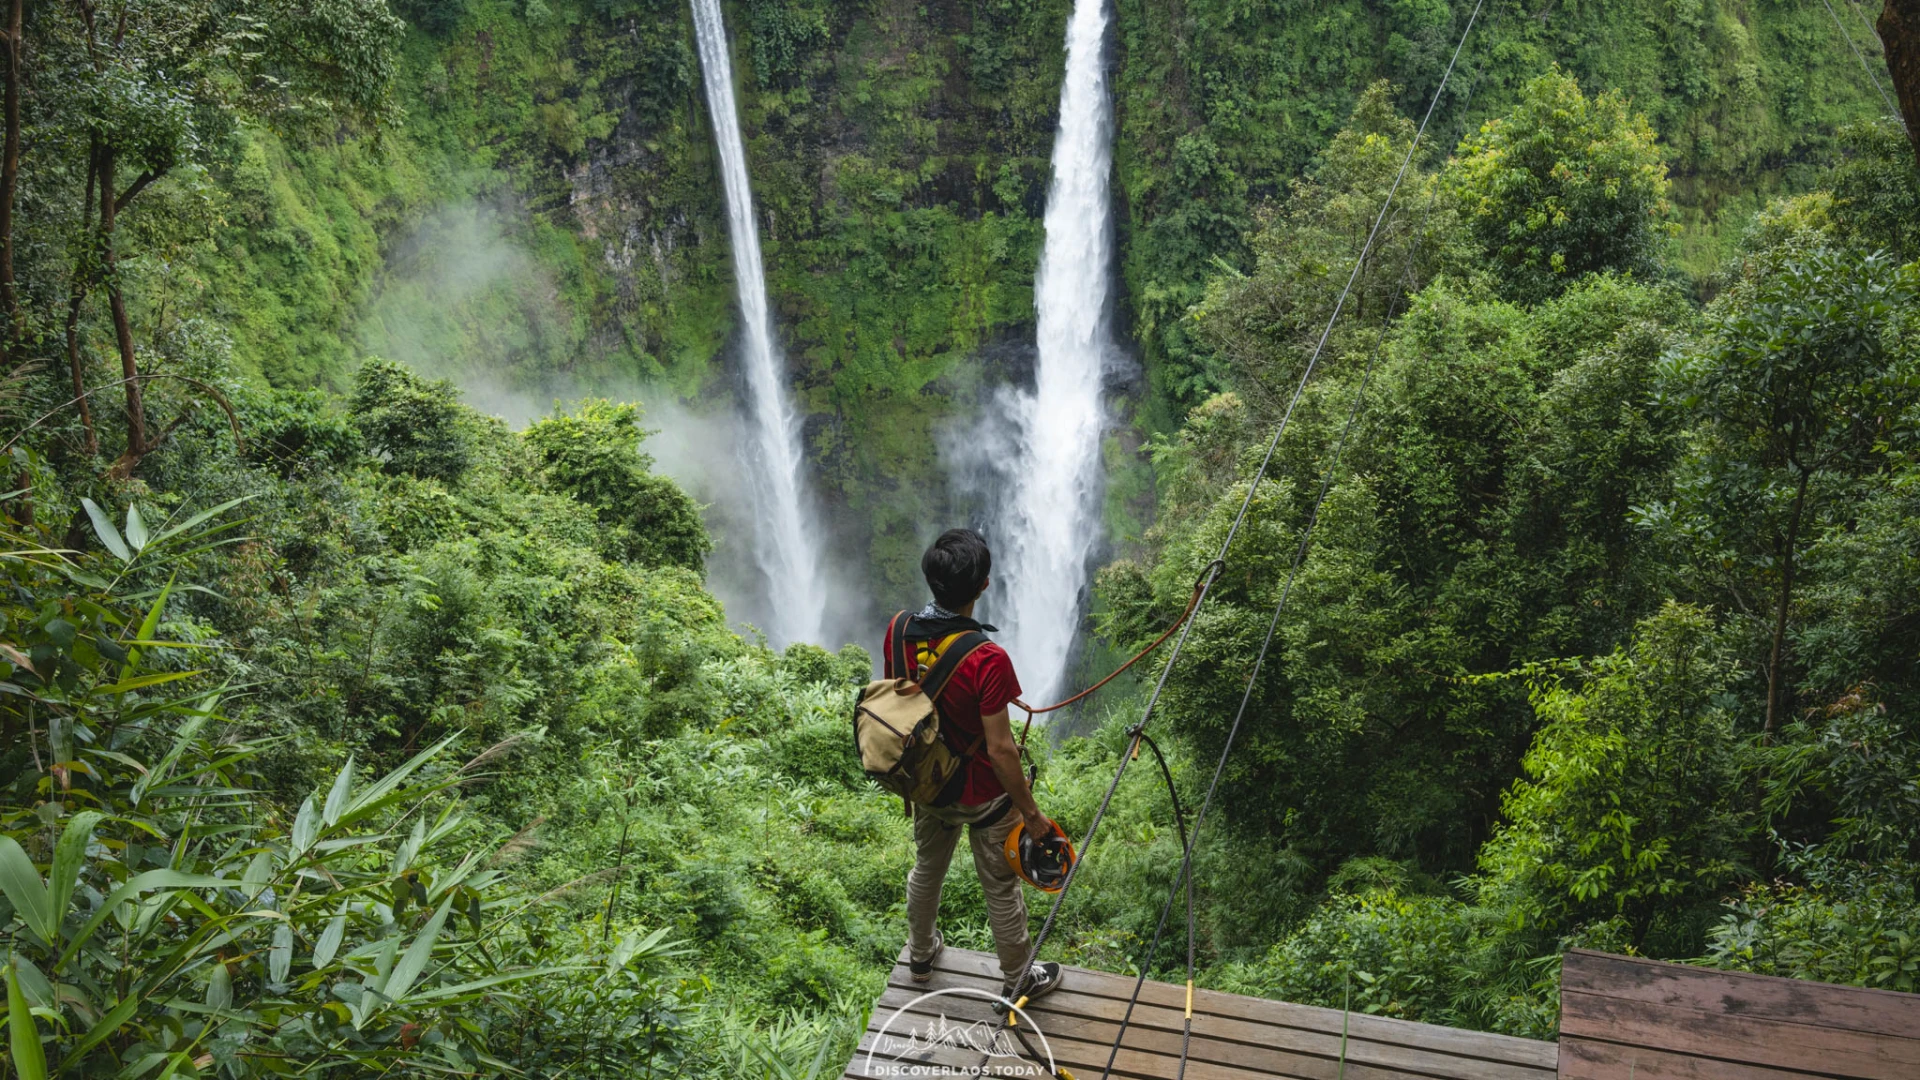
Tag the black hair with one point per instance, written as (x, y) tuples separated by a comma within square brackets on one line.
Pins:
[(956, 567)]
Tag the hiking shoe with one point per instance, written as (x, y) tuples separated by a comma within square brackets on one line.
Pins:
[(922, 970), (1042, 979)]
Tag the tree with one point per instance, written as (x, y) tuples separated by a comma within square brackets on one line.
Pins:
[(1629, 808), (1563, 186), (1899, 27), (594, 455), (1794, 385), (416, 425), (1266, 323), (136, 91)]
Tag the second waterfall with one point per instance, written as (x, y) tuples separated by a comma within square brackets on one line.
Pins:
[(786, 539), (1050, 525)]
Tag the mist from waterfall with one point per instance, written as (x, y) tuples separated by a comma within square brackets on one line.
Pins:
[(1050, 524), (786, 538)]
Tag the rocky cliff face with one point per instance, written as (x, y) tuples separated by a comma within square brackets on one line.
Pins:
[(899, 152)]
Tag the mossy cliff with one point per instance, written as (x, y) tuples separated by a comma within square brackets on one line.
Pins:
[(546, 220)]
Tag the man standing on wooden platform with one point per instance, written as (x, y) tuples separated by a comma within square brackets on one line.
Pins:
[(992, 794)]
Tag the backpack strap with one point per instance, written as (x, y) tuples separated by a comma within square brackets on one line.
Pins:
[(956, 651), (897, 647)]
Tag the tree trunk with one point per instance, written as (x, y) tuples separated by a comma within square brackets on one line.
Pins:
[(1899, 28), (122, 330), (9, 176), (77, 295), (1775, 688)]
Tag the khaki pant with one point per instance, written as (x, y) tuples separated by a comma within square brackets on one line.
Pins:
[(935, 834)]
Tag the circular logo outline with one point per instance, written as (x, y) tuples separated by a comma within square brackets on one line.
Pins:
[(968, 991)]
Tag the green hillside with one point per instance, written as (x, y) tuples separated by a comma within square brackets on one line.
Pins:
[(354, 730)]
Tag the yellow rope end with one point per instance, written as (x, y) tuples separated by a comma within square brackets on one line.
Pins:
[(1013, 1014), (1189, 999)]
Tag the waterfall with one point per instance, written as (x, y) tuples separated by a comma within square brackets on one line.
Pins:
[(1051, 522), (785, 539)]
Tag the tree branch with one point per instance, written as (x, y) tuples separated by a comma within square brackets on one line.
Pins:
[(139, 184)]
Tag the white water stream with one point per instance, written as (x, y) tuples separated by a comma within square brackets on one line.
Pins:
[(1051, 524), (786, 538)]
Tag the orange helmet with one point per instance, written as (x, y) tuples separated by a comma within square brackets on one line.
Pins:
[(1041, 861)]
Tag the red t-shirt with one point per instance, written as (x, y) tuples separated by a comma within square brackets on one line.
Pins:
[(983, 683)]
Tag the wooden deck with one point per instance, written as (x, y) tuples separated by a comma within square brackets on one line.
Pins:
[(1233, 1037), (1623, 1017)]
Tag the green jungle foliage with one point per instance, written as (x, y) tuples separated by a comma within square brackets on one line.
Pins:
[(348, 729)]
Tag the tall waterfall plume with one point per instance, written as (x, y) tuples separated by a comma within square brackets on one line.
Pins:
[(786, 541), (1051, 523)]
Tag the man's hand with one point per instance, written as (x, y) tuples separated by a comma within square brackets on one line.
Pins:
[(1038, 825)]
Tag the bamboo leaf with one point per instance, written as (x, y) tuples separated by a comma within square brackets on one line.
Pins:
[(134, 886), (219, 986), (69, 854), (200, 517), (329, 943), (23, 888), (280, 957), (145, 680), (306, 826), (188, 731), (115, 1019), (365, 802), (342, 791), (414, 960), (23, 1037), (103, 528), (137, 534)]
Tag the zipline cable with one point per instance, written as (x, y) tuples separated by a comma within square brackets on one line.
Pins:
[(1212, 572), (1186, 875), (1858, 55)]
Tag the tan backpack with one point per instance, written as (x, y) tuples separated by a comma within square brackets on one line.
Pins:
[(897, 727)]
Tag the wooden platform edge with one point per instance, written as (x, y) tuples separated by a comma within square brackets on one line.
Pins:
[(1234, 1035)]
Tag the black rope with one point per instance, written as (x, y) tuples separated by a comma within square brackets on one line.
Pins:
[(1299, 557)]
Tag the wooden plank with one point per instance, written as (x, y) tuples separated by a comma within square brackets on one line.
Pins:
[(1237, 1037), (1477, 1044), (1763, 997), (1086, 1041), (1586, 1059), (1219, 1038), (1736, 1036)]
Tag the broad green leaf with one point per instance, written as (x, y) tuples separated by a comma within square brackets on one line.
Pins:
[(259, 871), (219, 986), (280, 957), (103, 528), (136, 529), (329, 943), (24, 889), (23, 1038), (68, 856), (306, 826), (39, 990), (337, 798), (414, 961)]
